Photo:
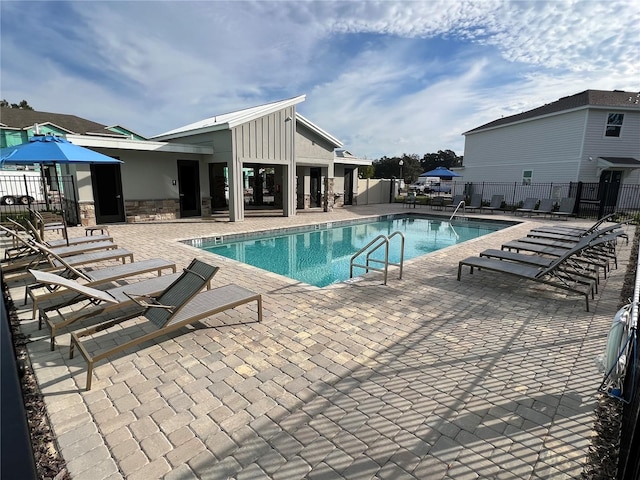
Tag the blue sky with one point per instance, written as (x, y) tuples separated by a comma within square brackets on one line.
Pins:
[(386, 78)]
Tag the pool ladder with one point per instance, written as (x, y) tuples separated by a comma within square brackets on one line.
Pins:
[(373, 246), (461, 204)]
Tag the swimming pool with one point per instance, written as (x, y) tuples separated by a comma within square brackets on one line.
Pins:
[(320, 255)]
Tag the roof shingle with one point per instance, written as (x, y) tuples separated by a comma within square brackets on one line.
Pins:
[(602, 98)]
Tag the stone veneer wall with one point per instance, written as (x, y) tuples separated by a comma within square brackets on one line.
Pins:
[(87, 214), (149, 210)]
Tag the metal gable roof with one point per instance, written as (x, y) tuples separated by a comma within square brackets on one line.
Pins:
[(588, 98), (313, 127), (229, 120)]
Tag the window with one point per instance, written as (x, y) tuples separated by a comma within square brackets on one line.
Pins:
[(527, 175), (614, 124)]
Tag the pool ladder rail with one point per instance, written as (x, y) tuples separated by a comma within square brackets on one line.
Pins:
[(461, 204), (373, 246)]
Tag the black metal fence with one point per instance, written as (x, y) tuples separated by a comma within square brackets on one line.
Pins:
[(21, 191), (592, 200)]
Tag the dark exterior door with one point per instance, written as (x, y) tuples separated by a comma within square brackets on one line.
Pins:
[(189, 188), (608, 191), (315, 194), (107, 193), (348, 187)]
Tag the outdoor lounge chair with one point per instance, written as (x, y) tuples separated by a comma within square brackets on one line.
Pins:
[(597, 253), (53, 222), (80, 302), (496, 203), (94, 277), (29, 252), (565, 210), (43, 261), (181, 304), (64, 249), (476, 202), (527, 207), (545, 207), (28, 233), (583, 265), (578, 232), (555, 239), (601, 251), (556, 275), (456, 201)]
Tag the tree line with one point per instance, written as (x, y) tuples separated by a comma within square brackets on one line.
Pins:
[(412, 165), (24, 105)]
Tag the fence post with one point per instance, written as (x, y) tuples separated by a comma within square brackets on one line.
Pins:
[(26, 189), (579, 197)]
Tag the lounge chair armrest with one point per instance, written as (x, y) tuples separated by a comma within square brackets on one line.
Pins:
[(146, 301)]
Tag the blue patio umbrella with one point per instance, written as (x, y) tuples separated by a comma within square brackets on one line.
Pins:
[(441, 172), (51, 150), (48, 149)]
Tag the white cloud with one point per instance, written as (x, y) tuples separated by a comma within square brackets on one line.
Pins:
[(385, 77)]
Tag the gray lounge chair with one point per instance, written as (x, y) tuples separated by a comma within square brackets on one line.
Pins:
[(181, 304), (601, 250), (89, 301), (565, 210), (41, 260), (53, 223), (581, 265), (476, 202), (495, 204), (55, 243), (572, 231), (527, 207), (556, 275), (545, 207), (93, 278), (456, 201), (64, 249)]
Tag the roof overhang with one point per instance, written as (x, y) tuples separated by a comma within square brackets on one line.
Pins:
[(628, 163), (138, 145), (353, 161), (228, 120)]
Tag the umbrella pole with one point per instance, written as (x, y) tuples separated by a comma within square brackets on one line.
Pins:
[(43, 179), (64, 220)]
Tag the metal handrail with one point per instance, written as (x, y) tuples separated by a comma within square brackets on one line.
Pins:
[(376, 243), (461, 204)]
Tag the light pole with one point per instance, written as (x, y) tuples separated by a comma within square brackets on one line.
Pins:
[(401, 163)]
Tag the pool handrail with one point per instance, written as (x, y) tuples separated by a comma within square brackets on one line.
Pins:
[(461, 204), (376, 243)]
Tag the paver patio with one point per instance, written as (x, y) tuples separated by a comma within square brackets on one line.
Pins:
[(426, 378)]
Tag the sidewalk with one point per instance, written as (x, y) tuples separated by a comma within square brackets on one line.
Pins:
[(425, 378)]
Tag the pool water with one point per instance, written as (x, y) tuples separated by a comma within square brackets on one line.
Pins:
[(322, 256)]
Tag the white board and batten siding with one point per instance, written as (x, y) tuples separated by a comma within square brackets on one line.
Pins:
[(266, 139), (549, 146)]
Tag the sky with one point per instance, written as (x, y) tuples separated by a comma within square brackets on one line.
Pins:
[(386, 78)]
